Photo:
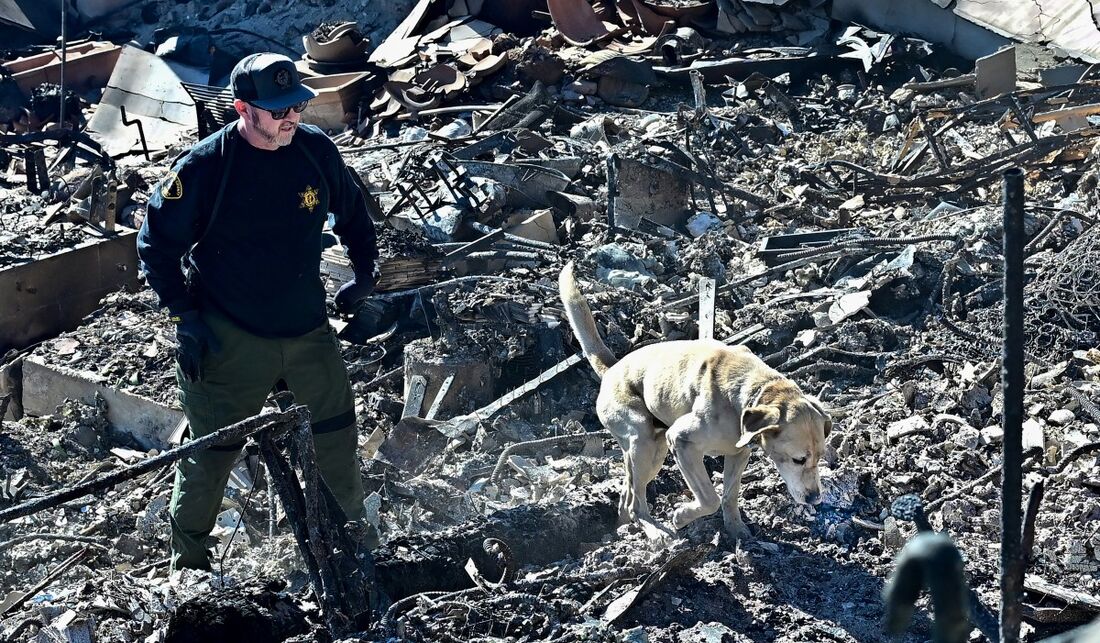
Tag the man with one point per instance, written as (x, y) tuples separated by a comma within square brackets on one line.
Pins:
[(231, 244)]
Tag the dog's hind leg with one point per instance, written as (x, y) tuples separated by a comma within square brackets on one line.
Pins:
[(647, 464), (689, 456), (633, 428), (627, 509), (732, 468)]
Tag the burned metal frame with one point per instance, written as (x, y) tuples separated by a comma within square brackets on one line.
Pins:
[(32, 144), (1013, 382), (433, 166), (1010, 111)]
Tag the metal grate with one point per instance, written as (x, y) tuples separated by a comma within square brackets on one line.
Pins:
[(213, 106)]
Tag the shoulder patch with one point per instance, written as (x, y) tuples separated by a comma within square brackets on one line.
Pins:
[(171, 187)]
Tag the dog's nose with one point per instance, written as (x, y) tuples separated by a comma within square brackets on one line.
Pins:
[(813, 497)]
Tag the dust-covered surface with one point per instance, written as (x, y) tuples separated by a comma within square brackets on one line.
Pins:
[(894, 323)]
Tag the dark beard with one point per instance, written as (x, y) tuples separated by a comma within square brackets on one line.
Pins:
[(271, 137)]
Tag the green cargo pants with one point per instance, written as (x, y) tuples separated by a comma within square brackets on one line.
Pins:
[(236, 382)]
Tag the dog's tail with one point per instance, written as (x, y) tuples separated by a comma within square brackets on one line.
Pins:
[(584, 326)]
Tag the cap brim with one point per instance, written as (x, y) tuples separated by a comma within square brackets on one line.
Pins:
[(293, 97)]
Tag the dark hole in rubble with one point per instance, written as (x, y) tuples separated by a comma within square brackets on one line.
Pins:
[(255, 612)]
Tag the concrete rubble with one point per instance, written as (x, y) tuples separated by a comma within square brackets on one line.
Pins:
[(827, 178)]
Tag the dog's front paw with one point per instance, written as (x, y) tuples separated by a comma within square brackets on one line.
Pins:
[(737, 530), (682, 516)]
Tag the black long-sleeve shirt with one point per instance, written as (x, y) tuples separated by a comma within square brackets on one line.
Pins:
[(258, 260)]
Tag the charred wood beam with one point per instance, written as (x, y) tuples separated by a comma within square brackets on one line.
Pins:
[(967, 175), (527, 111), (348, 566), (1034, 499), (341, 570), (995, 107), (282, 479), (612, 189)]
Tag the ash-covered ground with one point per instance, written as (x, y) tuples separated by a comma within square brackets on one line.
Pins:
[(894, 323)]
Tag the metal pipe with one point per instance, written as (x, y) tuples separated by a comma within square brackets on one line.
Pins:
[(1012, 382), (64, 49), (140, 128), (612, 188)]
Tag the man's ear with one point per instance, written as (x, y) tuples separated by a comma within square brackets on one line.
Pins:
[(757, 421), (240, 107)]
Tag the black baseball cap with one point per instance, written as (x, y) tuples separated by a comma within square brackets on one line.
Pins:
[(269, 81)]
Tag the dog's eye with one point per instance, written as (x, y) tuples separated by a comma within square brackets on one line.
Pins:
[(799, 461)]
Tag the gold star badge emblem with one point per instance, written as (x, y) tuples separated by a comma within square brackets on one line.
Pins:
[(310, 198)]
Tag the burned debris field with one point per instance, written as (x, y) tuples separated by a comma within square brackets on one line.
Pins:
[(822, 184)]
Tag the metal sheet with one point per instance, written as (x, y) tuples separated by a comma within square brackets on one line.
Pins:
[(996, 74), (650, 192), (577, 21), (51, 295), (1069, 25), (150, 90), (11, 13), (924, 19), (41, 16)]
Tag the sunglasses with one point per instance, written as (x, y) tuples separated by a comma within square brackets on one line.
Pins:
[(280, 114)]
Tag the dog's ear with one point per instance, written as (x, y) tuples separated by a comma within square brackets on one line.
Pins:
[(820, 408), (757, 421)]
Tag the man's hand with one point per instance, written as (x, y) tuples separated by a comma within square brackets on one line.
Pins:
[(195, 339), (354, 292)]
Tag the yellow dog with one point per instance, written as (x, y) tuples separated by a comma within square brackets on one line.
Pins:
[(697, 398)]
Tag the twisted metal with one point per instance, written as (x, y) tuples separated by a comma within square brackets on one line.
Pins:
[(1063, 302)]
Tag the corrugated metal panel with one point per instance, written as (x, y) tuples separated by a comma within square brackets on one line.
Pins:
[(1069, 25)]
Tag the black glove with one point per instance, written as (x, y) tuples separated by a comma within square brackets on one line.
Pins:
[(195, 339), (354, 292)]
